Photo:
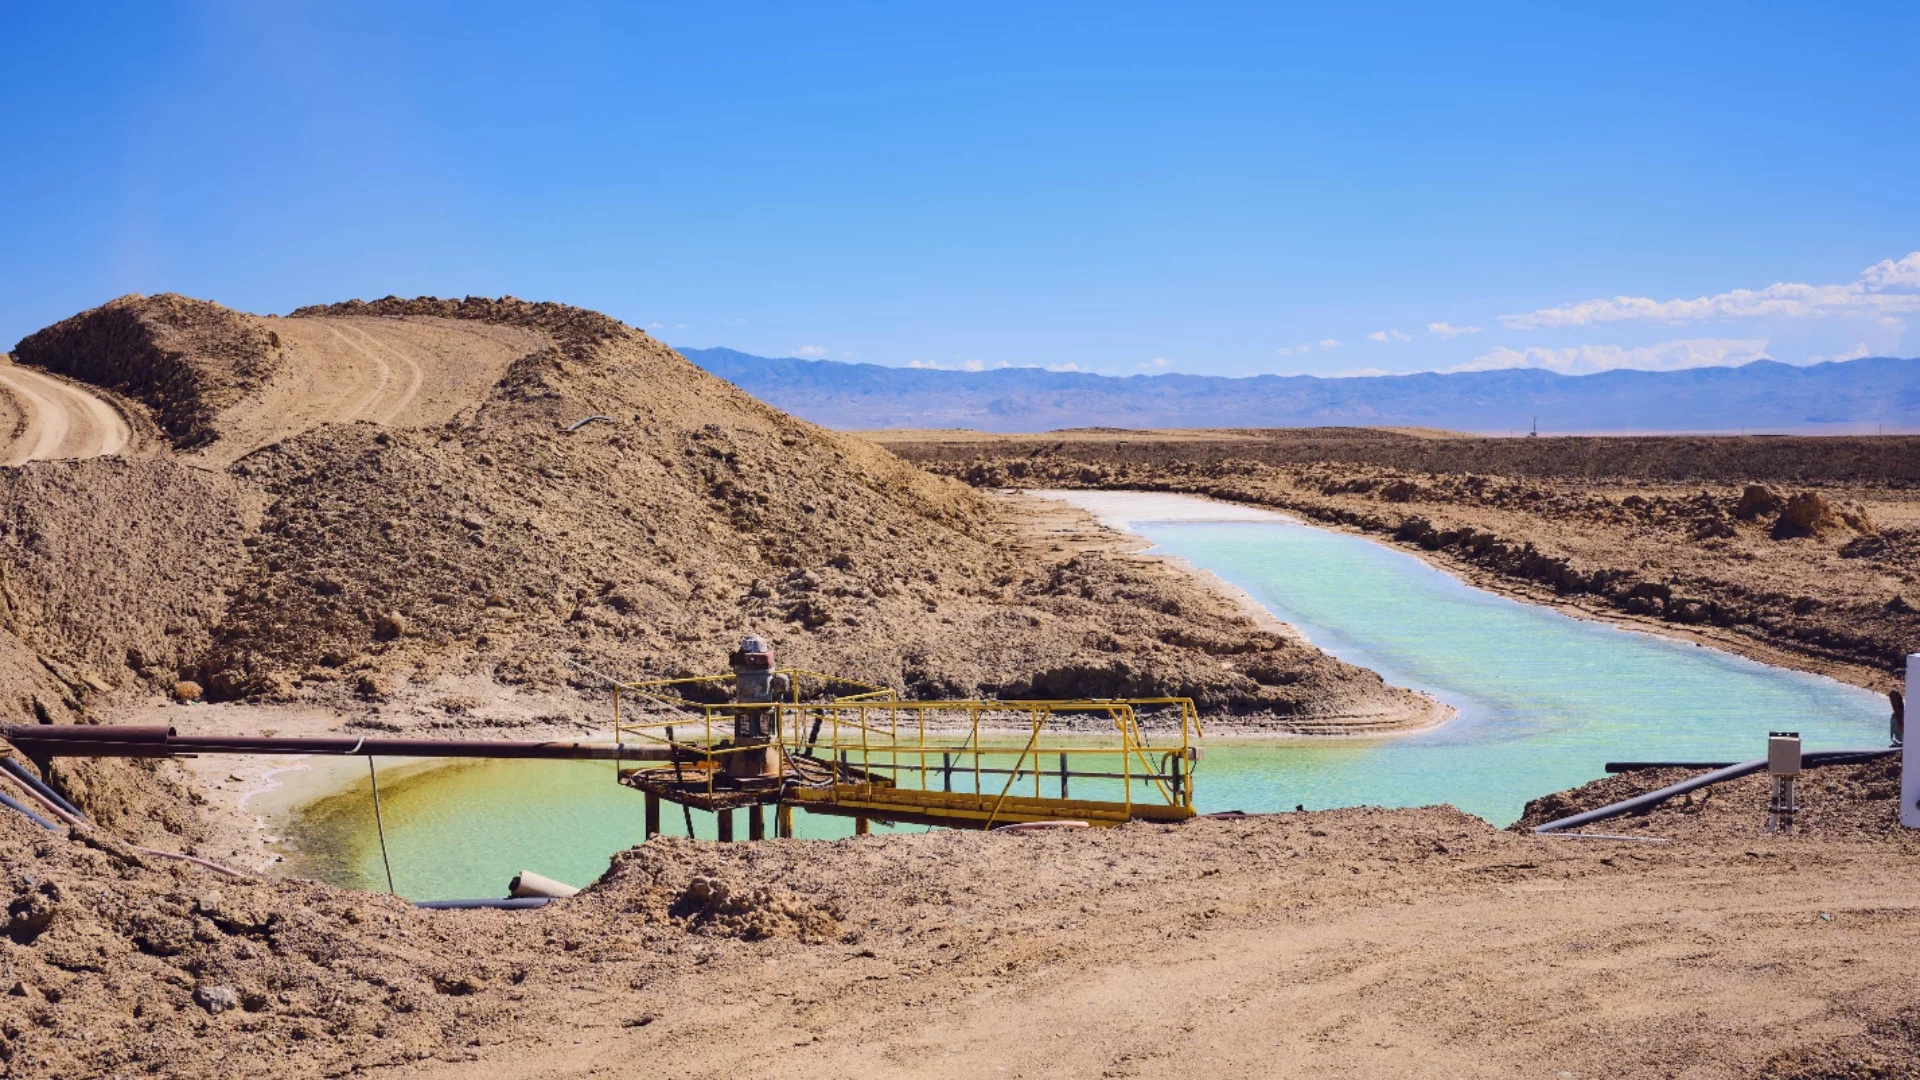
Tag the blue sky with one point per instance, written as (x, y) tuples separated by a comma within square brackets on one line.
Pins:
[(1219, 189)]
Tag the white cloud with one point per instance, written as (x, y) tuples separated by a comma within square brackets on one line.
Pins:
[(1441, 329), (1306, 347), (1588, 359), (1854, 353), (1357, 373), (656, 326), (1065, 367), (1158, 361), (1389, 335), (963, 365), (1886, 288), (810, 351)]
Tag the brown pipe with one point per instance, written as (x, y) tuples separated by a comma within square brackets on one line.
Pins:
[(110, 741), (143, 733), (195, 860)]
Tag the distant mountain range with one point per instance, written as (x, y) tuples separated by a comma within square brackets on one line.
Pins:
[(1853, 396)]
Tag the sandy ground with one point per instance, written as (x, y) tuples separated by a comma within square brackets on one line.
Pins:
[(414, 372), (1350, 943), (46, 418), (1346, 943)]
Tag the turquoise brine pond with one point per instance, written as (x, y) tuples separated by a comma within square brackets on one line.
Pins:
[(1544, 700)]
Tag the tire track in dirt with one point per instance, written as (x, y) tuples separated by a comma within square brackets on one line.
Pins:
[(391, 409), (48, 418), (383, 376), (394, 372), (388, 371)]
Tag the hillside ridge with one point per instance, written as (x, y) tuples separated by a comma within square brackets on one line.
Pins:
[(1855, 396)]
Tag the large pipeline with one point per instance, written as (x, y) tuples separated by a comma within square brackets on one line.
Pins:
[(41, 741), (1652, 799)]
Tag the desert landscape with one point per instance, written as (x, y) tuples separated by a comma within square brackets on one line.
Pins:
[(1797, 551), (390, 518)]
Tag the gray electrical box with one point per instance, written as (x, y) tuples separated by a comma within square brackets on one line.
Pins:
[(1783, 753)]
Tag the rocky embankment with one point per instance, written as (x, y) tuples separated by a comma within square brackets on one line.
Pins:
[(1764, 545)]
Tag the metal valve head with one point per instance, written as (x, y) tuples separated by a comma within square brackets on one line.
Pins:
[(754, 654)]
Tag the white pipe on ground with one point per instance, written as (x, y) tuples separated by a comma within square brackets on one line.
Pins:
[(526, 883)]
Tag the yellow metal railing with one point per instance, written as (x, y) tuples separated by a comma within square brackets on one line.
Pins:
[(875, 753)]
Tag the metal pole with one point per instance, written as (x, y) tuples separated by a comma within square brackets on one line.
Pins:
[(679, 780), (1910, 755), (380, 824)]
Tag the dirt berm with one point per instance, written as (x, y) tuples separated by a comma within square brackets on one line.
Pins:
[(494, 486)]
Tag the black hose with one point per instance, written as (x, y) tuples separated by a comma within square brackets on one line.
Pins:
[(1812, 759), (1652, 799), (512, 903), (12, 803), (20, 773)]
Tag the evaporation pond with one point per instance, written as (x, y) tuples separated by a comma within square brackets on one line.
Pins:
[(1544, 701)]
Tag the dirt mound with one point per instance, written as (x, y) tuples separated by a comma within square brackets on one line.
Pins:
[(451, 487), (1849, 803), (685, 513), (697, 886), (116, 962), (116, 568), (185, 359)]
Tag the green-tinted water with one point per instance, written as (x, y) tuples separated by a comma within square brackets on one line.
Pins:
[(464, 829), (1544, 701)]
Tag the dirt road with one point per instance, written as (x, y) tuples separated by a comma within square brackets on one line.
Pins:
[(1345, 944), (396, 372), (43, 418)]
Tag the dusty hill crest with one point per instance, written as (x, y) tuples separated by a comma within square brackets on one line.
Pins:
[(419, 498)]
